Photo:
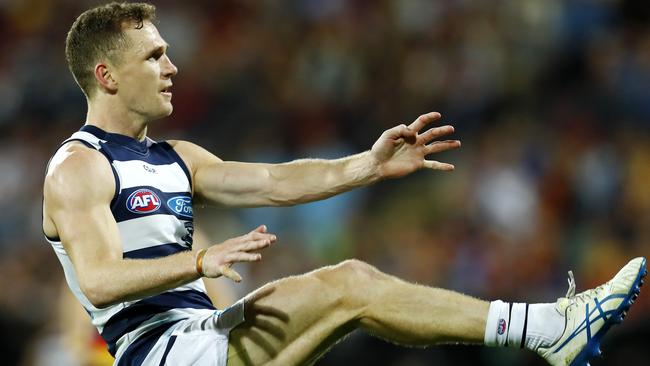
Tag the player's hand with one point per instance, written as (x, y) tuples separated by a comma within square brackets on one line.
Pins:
[(402, 150), (218, 259)]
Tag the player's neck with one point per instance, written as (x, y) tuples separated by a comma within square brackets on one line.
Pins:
[(114, 119)]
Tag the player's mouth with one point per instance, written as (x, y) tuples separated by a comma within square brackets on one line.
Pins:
[(167, 91)]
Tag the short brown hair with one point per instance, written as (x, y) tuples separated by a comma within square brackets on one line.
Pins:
[(98, 33)]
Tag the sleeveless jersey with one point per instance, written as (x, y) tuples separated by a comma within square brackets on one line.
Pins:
[(152, 206)]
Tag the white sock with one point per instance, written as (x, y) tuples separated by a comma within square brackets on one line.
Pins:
[(522, 325), (545, 326)]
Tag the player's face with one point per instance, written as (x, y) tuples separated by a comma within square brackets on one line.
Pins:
[(144, 75)]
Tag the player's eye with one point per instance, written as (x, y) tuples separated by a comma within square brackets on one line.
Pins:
[(155, 56)]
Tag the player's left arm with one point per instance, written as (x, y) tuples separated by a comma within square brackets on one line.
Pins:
[(399, 151)]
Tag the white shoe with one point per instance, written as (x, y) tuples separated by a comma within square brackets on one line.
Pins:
[(590, 314)]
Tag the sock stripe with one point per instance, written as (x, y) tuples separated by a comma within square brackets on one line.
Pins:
[(523, 336), (509, 316)]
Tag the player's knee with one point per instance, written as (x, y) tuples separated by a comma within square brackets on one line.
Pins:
[(358, 271), (348, 278)]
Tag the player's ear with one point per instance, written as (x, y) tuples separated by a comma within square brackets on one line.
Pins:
[(105, 79)]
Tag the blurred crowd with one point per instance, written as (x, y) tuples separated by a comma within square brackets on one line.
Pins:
[(551, 99)]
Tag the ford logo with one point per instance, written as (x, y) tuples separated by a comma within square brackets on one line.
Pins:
[(181, 205)]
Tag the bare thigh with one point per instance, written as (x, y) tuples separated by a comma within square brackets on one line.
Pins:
[(294, 320)]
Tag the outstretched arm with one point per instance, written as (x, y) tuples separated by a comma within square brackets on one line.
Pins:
[(399, 151), (82, 219)]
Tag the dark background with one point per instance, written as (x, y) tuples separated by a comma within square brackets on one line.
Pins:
[(551, 99)]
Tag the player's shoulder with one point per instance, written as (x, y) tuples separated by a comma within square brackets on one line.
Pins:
[(77, 168), (192, 153), (184, 145), (75, 157)]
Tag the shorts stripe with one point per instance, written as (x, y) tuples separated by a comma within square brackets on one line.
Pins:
[(170, 344), (137, 351), (131, 317)]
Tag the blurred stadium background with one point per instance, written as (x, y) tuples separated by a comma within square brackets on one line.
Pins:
[(551, 99)]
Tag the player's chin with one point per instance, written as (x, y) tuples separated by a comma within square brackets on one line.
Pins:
[(166, 104), (167, 108), (163, 112)]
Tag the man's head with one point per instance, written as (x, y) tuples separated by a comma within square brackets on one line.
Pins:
[(116, 50), (97, 35)]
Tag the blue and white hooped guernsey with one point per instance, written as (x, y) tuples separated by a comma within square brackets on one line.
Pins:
[(153, 210)]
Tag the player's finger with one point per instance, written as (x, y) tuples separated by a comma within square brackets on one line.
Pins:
[(439, 146), (400, 131), (260, 229), (434, 133), (424, 120), (436, 165), (254, 245), (254, 235), (228, 272), (242, 257)]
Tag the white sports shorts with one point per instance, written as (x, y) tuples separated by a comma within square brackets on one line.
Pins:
[(201, 340)]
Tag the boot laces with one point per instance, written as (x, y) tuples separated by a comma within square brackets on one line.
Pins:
[(583, 296), (572, 286)]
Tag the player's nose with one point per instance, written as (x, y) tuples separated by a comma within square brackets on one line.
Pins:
[(169, 69)]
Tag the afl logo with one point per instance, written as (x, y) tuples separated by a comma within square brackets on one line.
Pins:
[(181, 206), (143, 201)]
